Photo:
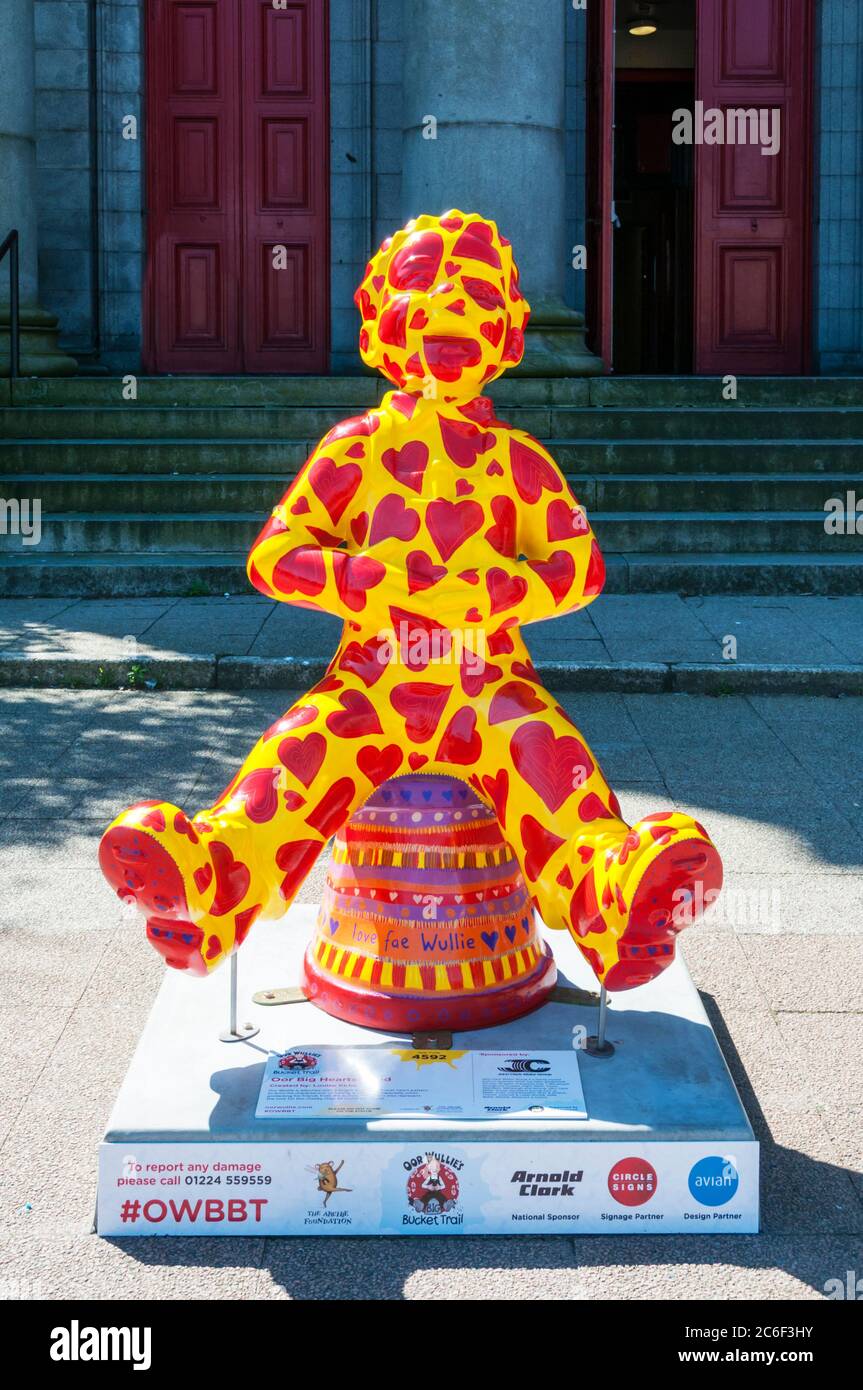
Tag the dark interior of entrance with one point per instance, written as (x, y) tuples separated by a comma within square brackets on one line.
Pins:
[(653, 188)]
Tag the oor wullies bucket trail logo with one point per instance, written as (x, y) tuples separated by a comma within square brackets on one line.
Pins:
[(299, 1061), (433, 1191)]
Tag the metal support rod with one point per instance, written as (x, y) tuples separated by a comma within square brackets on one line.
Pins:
[(236, 1032), (234, 994), (597, 1045), (603, 1018)]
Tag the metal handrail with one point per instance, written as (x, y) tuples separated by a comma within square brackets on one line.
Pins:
[(11, 245)]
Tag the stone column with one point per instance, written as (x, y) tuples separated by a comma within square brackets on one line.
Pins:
[(40, 355), (492, 77)]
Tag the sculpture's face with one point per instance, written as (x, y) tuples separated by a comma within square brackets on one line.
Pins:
[(441, 307)]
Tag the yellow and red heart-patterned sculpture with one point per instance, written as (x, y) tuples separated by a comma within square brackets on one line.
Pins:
[(436, 531)]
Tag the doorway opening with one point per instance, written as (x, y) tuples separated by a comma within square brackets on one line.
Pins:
[(654, 250)]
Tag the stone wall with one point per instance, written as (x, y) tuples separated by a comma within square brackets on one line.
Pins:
[(838, 188), (64, 153), (120, 174), (89, 182)]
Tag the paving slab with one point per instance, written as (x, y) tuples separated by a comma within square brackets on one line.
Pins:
[(719, 965), (793, 904), (481, 1268), (804, 1177), (839, 620), (767, 630), (821, 975), (844, 1124), (828, 1048), (763, 833), (830, 751), (19, 616), (763, 1267)]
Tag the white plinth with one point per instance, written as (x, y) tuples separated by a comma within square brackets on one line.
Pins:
[(666, 1145)]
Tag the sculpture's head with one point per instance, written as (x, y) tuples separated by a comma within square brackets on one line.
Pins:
[(440, 303)]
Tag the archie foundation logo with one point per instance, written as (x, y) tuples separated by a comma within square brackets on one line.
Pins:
[(327, 1174), (433, 1187), (632, 1182), (713, 1181)]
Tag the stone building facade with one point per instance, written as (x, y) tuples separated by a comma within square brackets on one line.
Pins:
[(508, 86)]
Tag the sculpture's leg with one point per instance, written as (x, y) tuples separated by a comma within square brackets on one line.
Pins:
[(623, 892), (202, 881)]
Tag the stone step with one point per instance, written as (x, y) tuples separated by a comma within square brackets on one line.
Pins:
[(733, 533), (352, 392), (565, 422), (127, 575), (363, 389), (192, 457), (255, 492), (686, 391)]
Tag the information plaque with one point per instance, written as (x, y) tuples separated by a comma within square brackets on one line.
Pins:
[(398, 1082)]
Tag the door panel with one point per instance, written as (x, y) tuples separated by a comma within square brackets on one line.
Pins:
[(752, 209), (191, 288), (237, 134), (285, 195)]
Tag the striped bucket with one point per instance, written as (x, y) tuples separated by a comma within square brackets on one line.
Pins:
[(426, 921)]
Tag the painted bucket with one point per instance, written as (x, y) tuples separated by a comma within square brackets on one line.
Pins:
[(426, 921)]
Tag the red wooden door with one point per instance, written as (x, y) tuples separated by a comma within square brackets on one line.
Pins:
[(752, 209), (285, 187), (600, 176), (237, 132)]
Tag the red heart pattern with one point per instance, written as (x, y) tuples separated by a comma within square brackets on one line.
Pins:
[(334, 485), (554, 767)]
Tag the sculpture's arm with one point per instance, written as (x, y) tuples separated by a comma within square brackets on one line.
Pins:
[(305, 553), (559, 566)]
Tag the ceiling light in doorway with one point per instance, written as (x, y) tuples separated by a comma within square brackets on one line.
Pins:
[(642, 21)]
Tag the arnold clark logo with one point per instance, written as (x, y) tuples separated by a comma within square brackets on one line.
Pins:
[(561, 1184), (713, 1181), (433, 1190)]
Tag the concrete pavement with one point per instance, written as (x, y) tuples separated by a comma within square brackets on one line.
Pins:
[(777, 780), (646, 643)]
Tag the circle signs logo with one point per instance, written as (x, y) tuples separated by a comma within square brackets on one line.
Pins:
[(632, 1182), (713, 1181)]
